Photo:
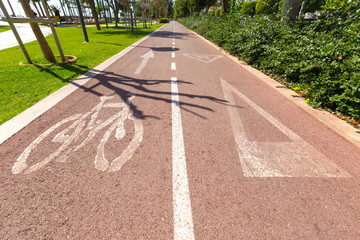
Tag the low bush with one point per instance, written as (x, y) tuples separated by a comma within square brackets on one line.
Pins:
[(211, 13), (266, 6), (309, 6), (319, 58), (248, 8), (164, 20), (218, 13)]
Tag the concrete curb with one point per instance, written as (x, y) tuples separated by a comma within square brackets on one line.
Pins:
[(339, 126), (18, 122)]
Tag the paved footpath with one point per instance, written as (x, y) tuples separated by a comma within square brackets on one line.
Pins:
[(8, 40), (177, 141)]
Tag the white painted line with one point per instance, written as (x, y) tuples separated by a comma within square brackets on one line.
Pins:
[(183, 222), (18, 122), (173, 55), (173, 48), (78, 127), (294, 158), (173, 39), (339, 126), (205, 58), (173, 43), (173, 66)]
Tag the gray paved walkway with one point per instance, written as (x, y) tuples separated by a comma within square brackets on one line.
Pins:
[(8, 40)]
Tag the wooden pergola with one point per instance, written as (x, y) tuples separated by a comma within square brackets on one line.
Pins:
[(48, 20)]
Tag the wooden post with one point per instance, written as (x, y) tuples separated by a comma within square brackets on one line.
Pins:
[(125, 16), (133, 4), (53, 31), (15, 33), (81, 19), (105, 14), (11, 8)]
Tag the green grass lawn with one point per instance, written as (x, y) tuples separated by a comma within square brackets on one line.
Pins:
[(4, 28), (23, 86)]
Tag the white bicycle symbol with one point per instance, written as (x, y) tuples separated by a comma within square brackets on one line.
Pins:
[(79, 127)]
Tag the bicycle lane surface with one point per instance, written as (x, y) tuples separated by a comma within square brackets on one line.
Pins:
[(254, 194), (69, 187), (259, 167)]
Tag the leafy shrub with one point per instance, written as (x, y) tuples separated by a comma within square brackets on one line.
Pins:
[(266, 6), (211, 13), (248, 8), (164, 20), (310, 5), (321, 57), (218, 13)]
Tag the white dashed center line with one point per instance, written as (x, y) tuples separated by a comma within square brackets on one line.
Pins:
[(183, 221)]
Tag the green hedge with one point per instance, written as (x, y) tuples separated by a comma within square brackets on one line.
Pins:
[(321, 58), (266, 6), (218, 13), (164, 20), (310, 5), (248, 8)]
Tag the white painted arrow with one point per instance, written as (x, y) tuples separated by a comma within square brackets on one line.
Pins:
[(145, 58), (294, 157)]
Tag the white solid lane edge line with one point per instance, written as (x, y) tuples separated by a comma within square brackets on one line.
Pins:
[(183, 222)]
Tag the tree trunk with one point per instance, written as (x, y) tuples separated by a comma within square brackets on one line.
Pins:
[(291, 9), (226, 6), (46, 50), (131, 20), (98, 5), (94, 14), (116, 13), (110, 18)]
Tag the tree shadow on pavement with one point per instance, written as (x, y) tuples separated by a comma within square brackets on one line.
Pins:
[(77, 69), (140, 87), (170, 34)]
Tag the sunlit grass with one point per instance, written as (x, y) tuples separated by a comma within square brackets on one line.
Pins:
[(4, 28), (23, 86)]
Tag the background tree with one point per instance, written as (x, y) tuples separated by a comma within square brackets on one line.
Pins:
[(309, 6), (182, 8), (170, 8), (94, 13), (291, 9), (114, 5), (225, 5)]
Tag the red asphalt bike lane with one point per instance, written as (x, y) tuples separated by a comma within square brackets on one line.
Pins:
[(300, 200), (100, 164), (71, 196)]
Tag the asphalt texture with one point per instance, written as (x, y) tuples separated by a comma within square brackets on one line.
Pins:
[(100, 164)]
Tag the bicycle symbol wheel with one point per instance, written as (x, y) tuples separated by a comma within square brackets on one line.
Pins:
[(79, 127)]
